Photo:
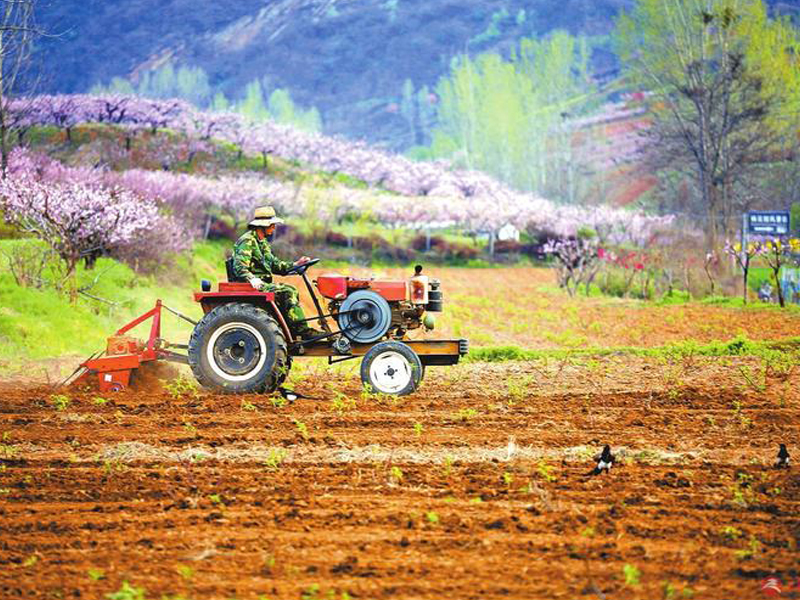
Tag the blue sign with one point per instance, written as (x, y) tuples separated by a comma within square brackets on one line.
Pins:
[(768, 222)]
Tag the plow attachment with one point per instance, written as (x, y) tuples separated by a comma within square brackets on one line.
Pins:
[(124, 354)]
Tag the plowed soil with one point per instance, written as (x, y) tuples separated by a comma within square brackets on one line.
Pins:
[(476, 486), (525, 307)]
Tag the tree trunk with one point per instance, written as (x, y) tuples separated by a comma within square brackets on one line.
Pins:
[(745, 272), (781, 299)]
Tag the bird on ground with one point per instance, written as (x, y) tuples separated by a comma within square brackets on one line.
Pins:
[(783, 458), (291, 395), (604, 461)]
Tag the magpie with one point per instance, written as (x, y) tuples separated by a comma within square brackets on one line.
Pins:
[(291, 396), (605, 460), (783, 458)]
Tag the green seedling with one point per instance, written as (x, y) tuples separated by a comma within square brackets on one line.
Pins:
[(395, 474), (278, 401), (185, 571), (99, 400), (632, 575), (275, 459), (96, 574), (60, 401), (432, 517), (8, 450), (127, 592), (730, 532), (448, 466), (30, 561), (546, 471), (315, 592), (418, 429), (753, 546), (302, 429), (111, 466), (342, 402), (180, 387), (465, 414), (249, 406)]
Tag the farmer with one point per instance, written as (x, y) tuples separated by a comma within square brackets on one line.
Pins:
[(254, 261)]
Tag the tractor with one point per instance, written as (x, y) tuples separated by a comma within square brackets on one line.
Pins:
[(242, 344)]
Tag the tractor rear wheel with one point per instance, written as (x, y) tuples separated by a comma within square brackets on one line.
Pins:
[(391, 368), (238, 348)]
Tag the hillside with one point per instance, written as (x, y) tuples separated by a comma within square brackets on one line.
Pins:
[(349, 59)]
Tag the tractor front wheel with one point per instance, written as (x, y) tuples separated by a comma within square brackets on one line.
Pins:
[(238, 348), (391, 368)]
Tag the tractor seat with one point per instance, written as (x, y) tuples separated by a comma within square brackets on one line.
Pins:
[(232, 278)]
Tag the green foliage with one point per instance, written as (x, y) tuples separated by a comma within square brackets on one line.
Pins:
[(675, 297), (302, 429), (41, 323), (749, 551), (546, 471), (127, 592), (395, 474), (505, 116), (189, 83), (192, 84), (631, 574), (710, 62), (60, 401), (315, 592), (730, 532), (794, 217), (180, 387), (275, 458), (780, 355)]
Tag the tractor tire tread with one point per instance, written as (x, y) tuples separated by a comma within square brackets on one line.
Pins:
[(239, 310)]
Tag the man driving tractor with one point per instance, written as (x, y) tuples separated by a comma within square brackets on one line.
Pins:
[(254, 262)]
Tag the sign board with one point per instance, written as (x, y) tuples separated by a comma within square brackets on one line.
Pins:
[(767, 222)]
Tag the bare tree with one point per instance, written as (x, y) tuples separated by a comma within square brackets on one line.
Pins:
[(17, 32), (719, 108)]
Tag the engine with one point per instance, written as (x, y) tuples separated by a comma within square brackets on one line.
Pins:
[(370, 309)]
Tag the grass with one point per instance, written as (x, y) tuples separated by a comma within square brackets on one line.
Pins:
[(38, 324), (739, 346), (42, 323)]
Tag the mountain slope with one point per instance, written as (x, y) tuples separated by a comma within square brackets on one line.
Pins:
[(349, 58)]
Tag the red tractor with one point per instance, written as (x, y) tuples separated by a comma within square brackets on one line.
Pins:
[(243, 344)]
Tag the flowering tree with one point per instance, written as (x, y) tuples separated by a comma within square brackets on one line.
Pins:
[(631, 264), (463, 198), (81, 216), (743, 258), (778, 252), (577, 261)]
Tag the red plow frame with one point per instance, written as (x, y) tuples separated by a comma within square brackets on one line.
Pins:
[(124, 354)]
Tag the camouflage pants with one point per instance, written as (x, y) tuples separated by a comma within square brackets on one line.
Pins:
[(288, 300)]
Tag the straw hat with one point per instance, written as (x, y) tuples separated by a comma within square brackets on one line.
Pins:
[(264, 217)]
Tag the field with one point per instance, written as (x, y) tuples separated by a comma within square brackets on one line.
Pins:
[(476, 486)]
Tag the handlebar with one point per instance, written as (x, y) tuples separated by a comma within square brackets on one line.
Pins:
[(301, 269)]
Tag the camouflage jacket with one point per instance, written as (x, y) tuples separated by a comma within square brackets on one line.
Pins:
[(254, 258)]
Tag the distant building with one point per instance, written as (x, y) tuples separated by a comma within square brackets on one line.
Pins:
[(508, 232)]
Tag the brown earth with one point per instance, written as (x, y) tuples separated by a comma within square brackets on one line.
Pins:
[(476, 486), (524, 307)]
